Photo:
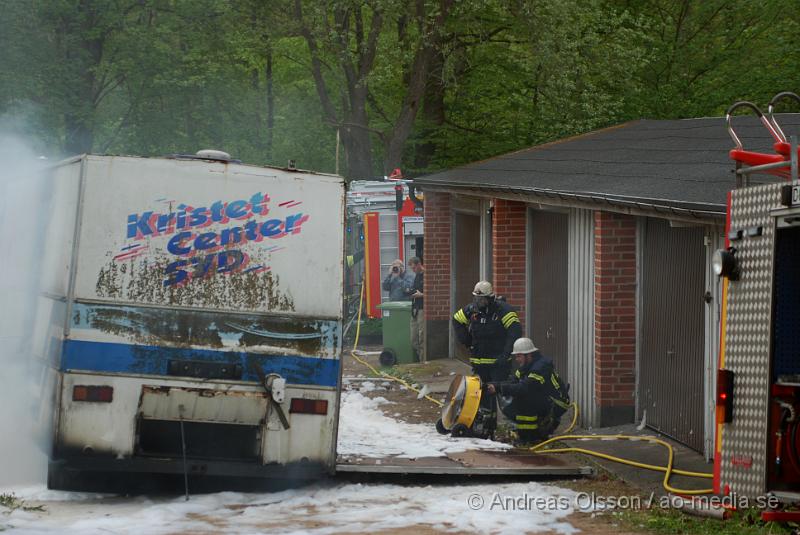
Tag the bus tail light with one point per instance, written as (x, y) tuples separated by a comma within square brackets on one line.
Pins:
[(103, 394), (308, 406), (724, 396)]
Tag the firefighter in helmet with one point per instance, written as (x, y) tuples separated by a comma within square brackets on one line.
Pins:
[(488, 327), (538, 395)]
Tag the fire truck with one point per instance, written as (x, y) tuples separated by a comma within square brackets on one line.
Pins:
[(757, 449), (384, 223)]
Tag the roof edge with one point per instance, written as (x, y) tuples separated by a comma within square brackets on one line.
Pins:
[(691, 212)]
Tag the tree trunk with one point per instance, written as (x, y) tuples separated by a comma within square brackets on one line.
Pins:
[(416, 85), (395, 140), (358, 153), (433, 113), (270, 107), (79, 117), (85, 89), (78, 135)]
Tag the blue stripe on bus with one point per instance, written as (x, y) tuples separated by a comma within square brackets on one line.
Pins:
[(153, 360)]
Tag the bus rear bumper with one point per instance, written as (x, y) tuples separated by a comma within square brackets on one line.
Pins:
[(136, 474)]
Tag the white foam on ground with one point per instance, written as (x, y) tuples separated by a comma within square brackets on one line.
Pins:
[(366, 432), (319, 509), (367, 386)]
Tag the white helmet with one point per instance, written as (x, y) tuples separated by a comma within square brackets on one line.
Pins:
[(522, 346), (483, 289)]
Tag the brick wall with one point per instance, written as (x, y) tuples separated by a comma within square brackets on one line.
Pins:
[(438, 234), (508, 253), (615, 316), (437, 229)]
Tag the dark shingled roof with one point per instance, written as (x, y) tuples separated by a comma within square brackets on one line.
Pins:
[(680, 164)]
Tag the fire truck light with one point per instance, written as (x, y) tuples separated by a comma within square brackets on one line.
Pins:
[(725, 264), (724, 396)]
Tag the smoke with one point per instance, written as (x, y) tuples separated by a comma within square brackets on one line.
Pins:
[(24, 205)]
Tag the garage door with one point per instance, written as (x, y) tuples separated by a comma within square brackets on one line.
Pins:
[(549, 259), (672, 331), (466, 265)]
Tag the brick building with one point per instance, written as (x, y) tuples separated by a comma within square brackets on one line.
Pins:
[(603, 244)]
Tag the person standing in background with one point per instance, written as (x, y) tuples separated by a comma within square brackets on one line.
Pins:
[(417, 316), (398, 282)]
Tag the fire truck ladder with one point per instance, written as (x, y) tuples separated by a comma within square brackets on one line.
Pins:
[(781, 163)]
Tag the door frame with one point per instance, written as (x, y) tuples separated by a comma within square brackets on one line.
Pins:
[(637, 361), (713, 240), (487, 242), (460, 204)]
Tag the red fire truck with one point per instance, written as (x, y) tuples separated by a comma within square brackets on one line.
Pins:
[(384, 223), (757, 448)]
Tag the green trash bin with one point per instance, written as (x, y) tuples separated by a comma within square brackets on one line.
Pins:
[(396, 333)]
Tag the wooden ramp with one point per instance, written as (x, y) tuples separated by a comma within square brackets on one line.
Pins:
[(473, 462)]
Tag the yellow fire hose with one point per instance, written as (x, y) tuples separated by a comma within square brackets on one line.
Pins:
[(370, 366), (668, 470)]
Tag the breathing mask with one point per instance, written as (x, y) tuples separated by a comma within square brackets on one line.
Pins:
[(482, 301)]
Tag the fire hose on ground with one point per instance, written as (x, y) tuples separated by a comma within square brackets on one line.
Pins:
[(371, 367), (668, 470)]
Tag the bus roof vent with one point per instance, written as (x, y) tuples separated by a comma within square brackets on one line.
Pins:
[(211, 154)]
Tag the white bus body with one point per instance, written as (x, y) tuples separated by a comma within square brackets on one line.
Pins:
[(192, 311)]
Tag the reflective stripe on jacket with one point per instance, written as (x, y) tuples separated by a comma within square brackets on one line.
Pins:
[(489, 334)]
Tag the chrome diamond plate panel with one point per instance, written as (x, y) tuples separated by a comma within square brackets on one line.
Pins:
[(747, 341)]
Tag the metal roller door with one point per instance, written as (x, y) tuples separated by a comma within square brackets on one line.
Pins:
[(549, 276), (466, 262), (671, 335)]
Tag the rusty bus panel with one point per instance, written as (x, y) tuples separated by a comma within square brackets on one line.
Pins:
[(203, 405)]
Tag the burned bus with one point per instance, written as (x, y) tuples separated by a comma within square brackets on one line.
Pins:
[(192, 312)]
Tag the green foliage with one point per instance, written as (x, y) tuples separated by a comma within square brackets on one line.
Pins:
[(671, 521), (400, 372), (523, 86), (705, 55), (153, 77), (371, 327), (11, 502)]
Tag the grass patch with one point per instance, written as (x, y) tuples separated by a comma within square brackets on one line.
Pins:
[(371, 328), (671, 521), (11, 502), (418, 370), (664, 520), (417, 373), (401, 372)]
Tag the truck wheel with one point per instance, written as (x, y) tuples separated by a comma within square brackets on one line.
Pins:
[(387, 357), (459, 430), (440, 427)]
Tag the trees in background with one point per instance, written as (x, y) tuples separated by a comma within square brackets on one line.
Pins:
[(422, 85)]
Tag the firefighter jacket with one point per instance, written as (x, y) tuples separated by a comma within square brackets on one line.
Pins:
[(530, 395), (537, 393), (489, 334)]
